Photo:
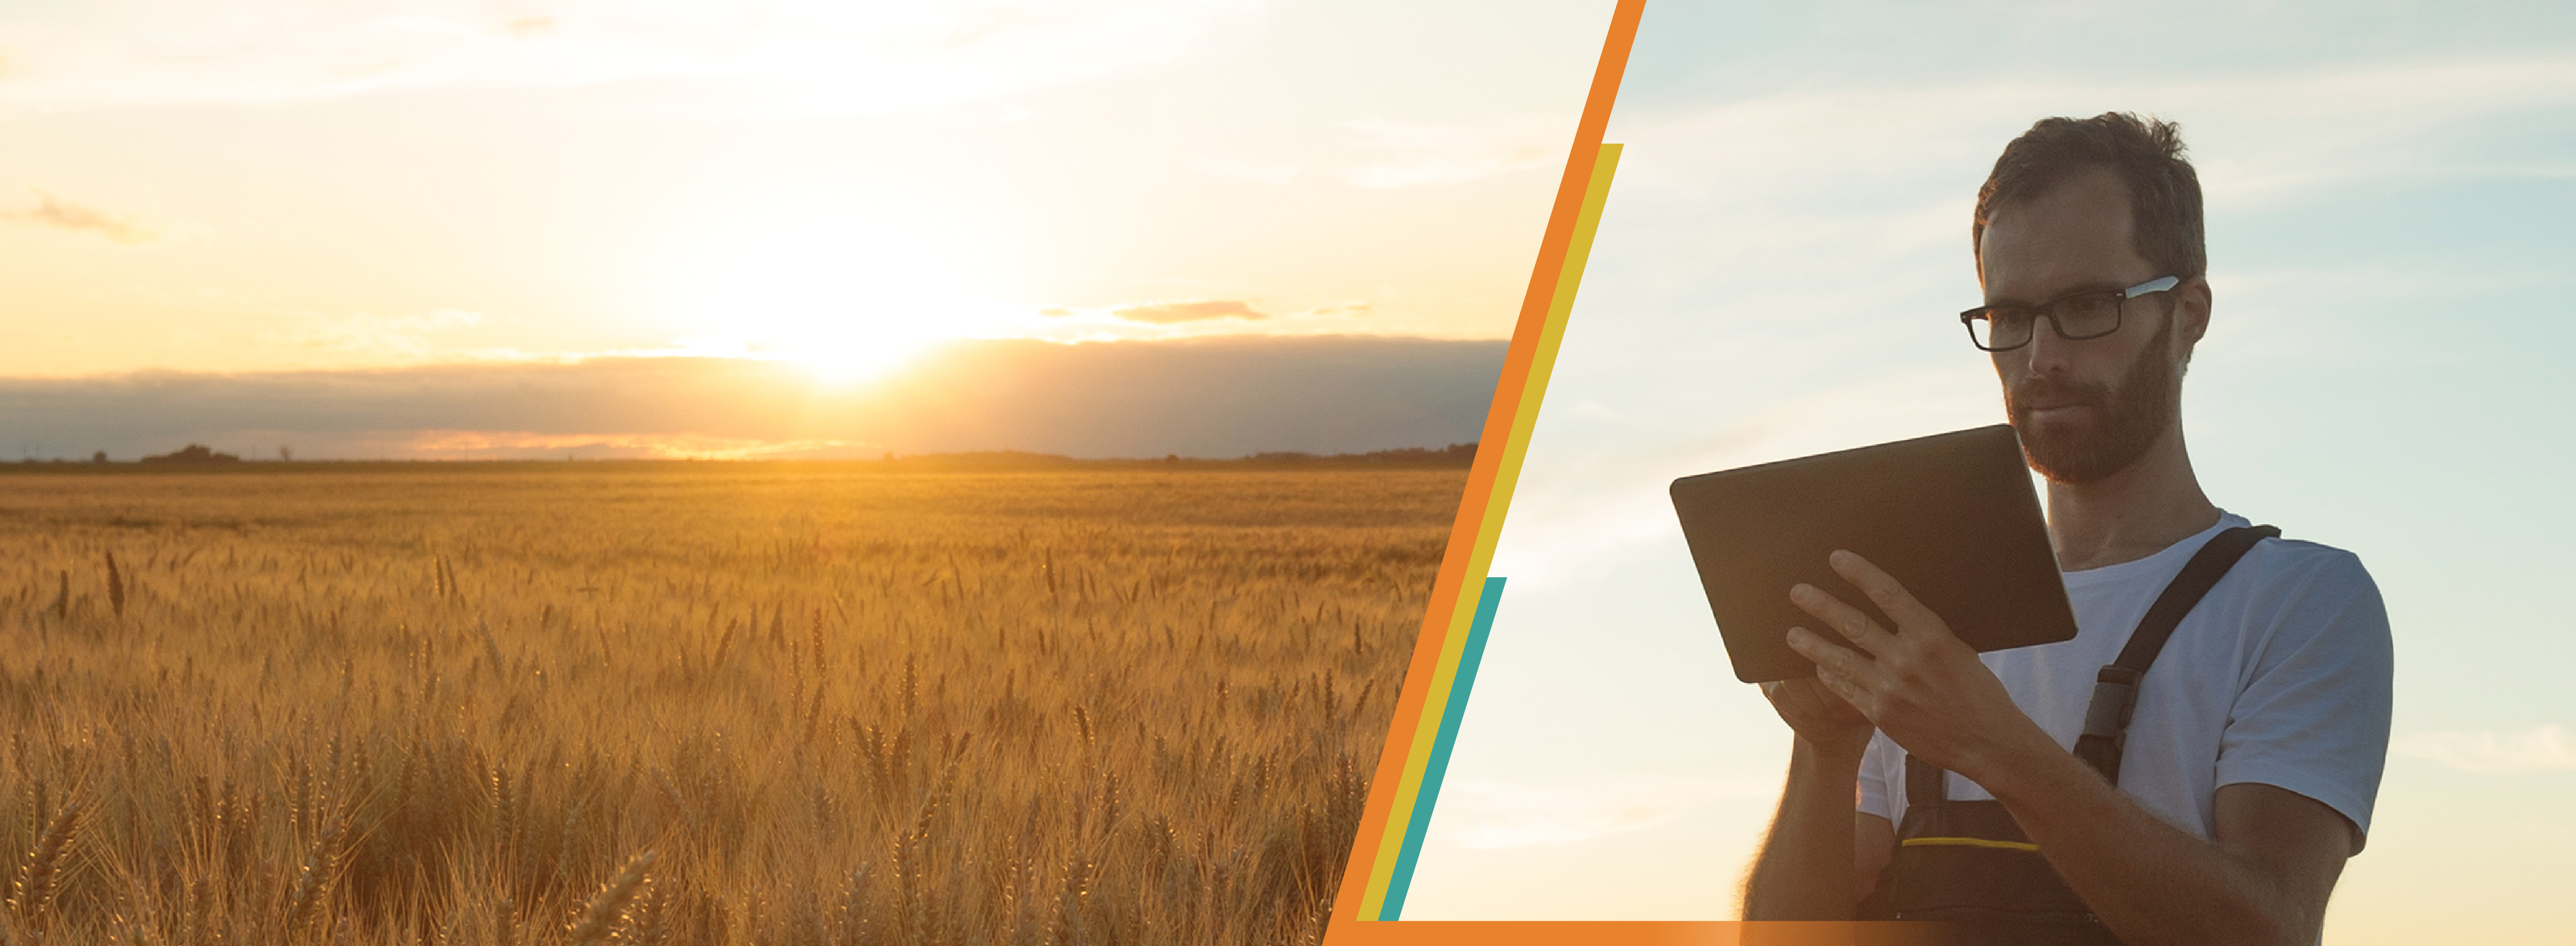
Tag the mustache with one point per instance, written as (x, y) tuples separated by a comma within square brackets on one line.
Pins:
[(2054, 391)]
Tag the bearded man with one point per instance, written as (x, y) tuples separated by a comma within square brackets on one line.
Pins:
[(2063, 793)]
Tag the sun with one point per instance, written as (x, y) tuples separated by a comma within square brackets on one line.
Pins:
[(851, 347), (846, 301)]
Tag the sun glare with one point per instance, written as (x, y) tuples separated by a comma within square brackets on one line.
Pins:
[(847, 301)]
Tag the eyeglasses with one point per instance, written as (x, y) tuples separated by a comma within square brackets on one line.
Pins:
[(2076, 317)]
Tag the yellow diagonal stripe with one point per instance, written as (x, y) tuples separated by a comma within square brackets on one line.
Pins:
[(1453, 644)]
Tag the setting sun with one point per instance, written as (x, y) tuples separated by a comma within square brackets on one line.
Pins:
[(846, 297)]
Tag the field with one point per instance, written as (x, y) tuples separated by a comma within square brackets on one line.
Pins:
[(697, 702)]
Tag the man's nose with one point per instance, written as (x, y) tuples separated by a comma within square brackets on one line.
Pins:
[(2047, 351)]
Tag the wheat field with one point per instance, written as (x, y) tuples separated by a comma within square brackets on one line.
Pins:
[(697, 703)]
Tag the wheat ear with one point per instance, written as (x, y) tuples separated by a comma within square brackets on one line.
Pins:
[(608, 905), (33, 890), (313, 882)]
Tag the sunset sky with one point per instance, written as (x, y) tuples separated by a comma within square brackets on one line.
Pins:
[(509, 228), (303, 185)]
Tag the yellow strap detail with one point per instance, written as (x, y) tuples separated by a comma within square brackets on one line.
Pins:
[(1970, 842)]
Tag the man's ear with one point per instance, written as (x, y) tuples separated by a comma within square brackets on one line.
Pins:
[(2191, 305)]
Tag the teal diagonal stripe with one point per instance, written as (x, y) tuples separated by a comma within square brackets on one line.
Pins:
[(1438, 765)]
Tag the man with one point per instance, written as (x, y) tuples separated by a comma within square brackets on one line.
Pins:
[(2254, 749)]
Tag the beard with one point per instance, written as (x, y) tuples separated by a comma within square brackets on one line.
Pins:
[(2118, 426)]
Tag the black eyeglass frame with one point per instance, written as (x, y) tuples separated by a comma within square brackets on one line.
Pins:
[(2048, 310)]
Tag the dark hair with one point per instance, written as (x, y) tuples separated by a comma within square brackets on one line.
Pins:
[(2147, 154)]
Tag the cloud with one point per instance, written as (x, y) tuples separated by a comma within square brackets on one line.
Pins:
[(56, 212), (1352, 310), (1213, 397), (1168, 313), (2541, 748), (785, 58), (1194, 318)]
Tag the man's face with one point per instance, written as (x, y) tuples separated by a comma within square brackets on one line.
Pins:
[(2087, 409)]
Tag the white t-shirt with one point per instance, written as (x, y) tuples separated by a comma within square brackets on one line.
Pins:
[(2280, 677)]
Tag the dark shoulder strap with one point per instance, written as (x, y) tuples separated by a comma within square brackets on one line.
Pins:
[(2199, 575), (2115, 689)]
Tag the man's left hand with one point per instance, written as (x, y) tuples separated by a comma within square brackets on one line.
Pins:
[(1919, 683)]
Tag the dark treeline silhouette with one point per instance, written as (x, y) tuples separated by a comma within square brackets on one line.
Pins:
[(1456, 454), (193, 453)]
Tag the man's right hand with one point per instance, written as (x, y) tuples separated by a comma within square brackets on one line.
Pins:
[(1824, 721), (1806, 869)]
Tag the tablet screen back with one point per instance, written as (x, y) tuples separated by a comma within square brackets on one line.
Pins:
[(1951, 516)]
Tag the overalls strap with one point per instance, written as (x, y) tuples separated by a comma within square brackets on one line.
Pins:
[(2115, 688), (1969, 863)]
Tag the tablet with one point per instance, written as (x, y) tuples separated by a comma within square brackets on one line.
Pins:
[(1952, 517)]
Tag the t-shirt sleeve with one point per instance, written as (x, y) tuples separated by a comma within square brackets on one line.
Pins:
[(1875, 796), (2312, 715)]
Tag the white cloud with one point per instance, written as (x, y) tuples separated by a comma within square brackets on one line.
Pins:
[(2540, 748), (1195, 310), (789, 57)]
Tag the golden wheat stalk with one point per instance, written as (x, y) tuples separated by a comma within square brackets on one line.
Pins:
[(115, 587), (313, 880), (608, 906), (31, 894), (649, 924), (1105, 792)]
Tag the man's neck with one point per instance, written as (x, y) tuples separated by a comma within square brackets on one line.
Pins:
[(2139, 511)]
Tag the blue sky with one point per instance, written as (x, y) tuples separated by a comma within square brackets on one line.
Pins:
[(2389, 194)]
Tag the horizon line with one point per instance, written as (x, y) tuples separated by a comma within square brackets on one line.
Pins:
[(1451, 454)]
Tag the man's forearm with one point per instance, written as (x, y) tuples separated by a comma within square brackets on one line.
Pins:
[(1805, 869), (2148, 881)]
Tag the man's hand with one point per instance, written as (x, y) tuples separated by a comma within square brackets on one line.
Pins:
[(1825, 721), (1919, 683), (2264, 879), (1806, 868)]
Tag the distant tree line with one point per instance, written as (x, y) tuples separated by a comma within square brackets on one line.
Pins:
[(1456, 454), (193, 453), (1453, 455)]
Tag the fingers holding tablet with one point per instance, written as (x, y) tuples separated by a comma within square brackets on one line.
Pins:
[(1885, 591), (1854, 625)]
